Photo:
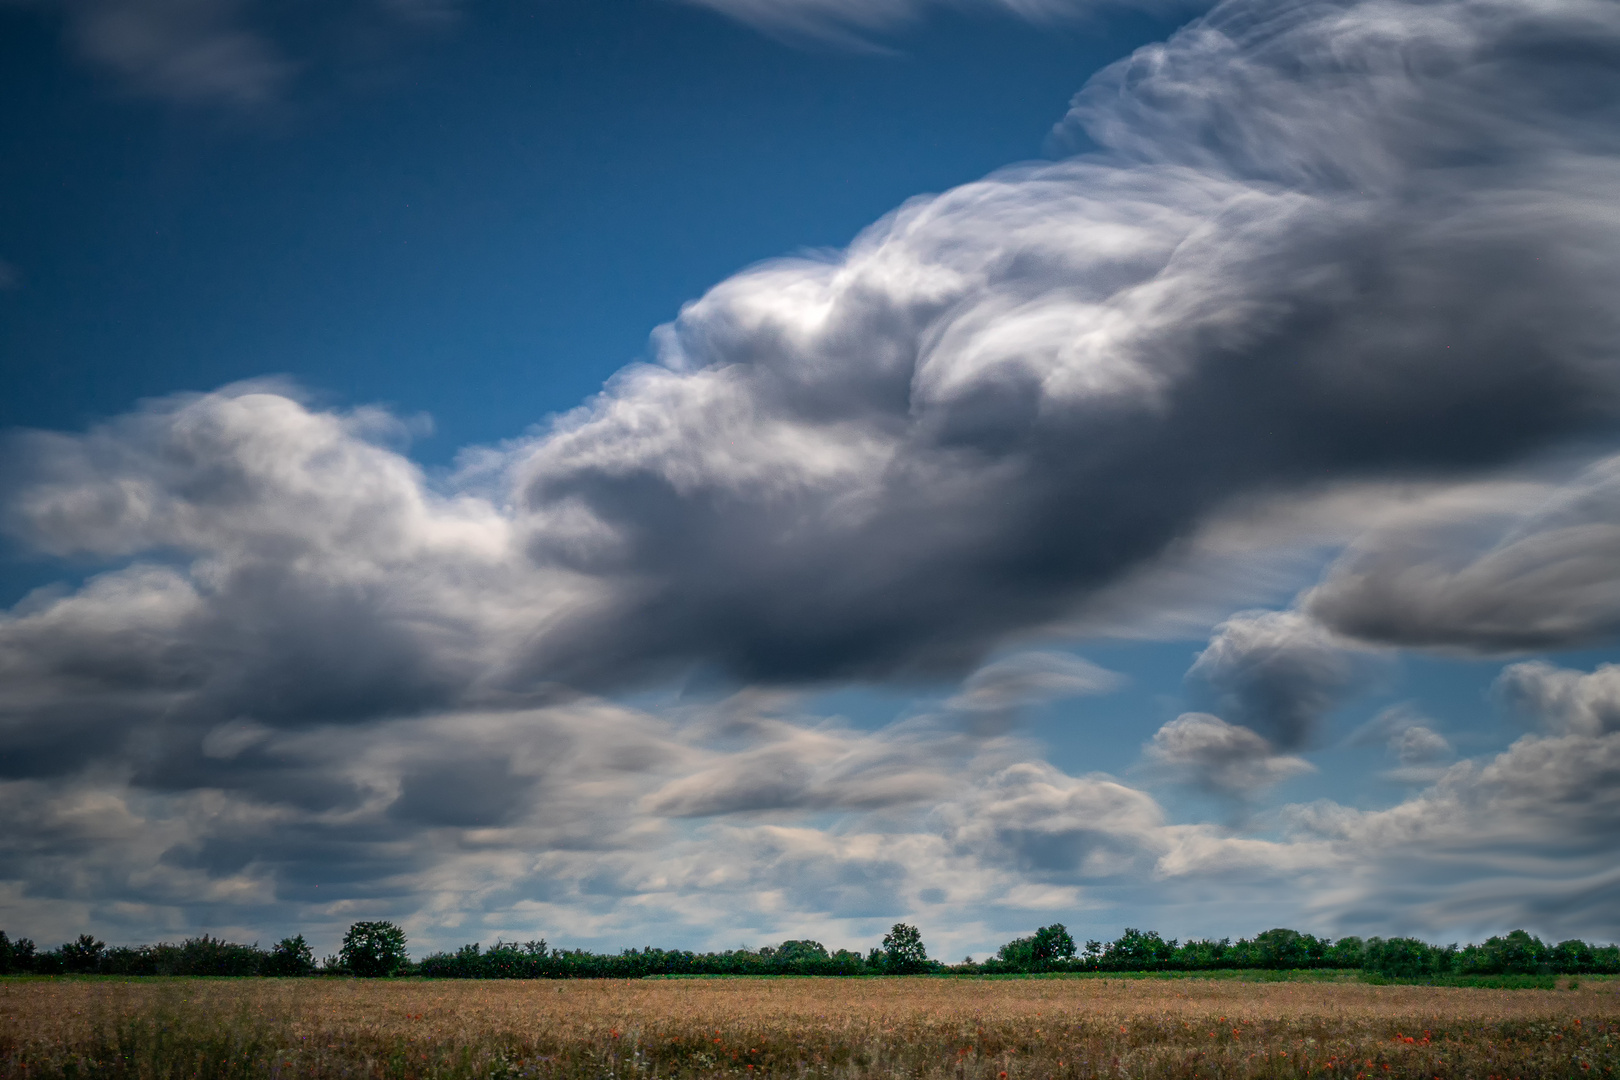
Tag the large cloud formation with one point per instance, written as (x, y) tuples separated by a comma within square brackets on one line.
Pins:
[(1321, 244), (1005, 396)]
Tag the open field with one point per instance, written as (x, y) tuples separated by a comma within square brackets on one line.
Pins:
[(801, 1028)]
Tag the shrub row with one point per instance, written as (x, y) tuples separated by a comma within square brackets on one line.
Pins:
[(378, 948), (1517, 953), (194, 956)]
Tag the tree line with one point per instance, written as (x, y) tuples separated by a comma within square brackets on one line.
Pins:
[(378, 949)]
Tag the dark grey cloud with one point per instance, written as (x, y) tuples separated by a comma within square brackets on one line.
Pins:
[(1221, 758), (1521, 577), (1004, 397), (469, 793), (1278, 673)]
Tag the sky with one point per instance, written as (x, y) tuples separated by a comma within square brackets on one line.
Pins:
[(702, 473)]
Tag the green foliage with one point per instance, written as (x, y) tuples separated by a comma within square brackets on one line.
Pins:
[(195, 956), (1405, 958), (1048, 949), (291, 956), (1347, 952), (790, 952), (903, 950), (373, 950), (1282, 949), (1138, 950), (15, 955), (1520, 953), (533, 960), (378, 948)]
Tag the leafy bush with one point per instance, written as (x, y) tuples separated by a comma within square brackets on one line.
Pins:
[(373, 949)]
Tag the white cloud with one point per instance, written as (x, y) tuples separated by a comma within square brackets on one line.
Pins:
[(849, 21), (1418, 745), (1225, 758), (1032, 678), (181, 50), (231, 53), (1562, 700), (1526, 839)]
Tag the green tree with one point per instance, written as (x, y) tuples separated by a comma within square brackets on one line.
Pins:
[(1047, 947), (16, 955), (291, 956), (903, 950), (1138, 950), (82, 956), (1053, 944), (1572, 957), (373, 949), (1018, 954), (1284, 948), (791, 951), (1347, 952), (1405, 958), (1519, 953)]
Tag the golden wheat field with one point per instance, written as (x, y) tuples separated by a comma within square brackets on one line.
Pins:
[(801, 1028)]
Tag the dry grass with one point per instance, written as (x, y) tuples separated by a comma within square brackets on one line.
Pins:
[(801, 1028)]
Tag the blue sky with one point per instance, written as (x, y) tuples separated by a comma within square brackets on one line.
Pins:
[(484, 221), (747, 469)]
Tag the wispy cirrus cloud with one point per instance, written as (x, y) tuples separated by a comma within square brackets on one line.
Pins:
[(852, 22), (234, 54)]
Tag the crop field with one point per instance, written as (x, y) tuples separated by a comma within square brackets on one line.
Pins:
[(964, 1029)]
